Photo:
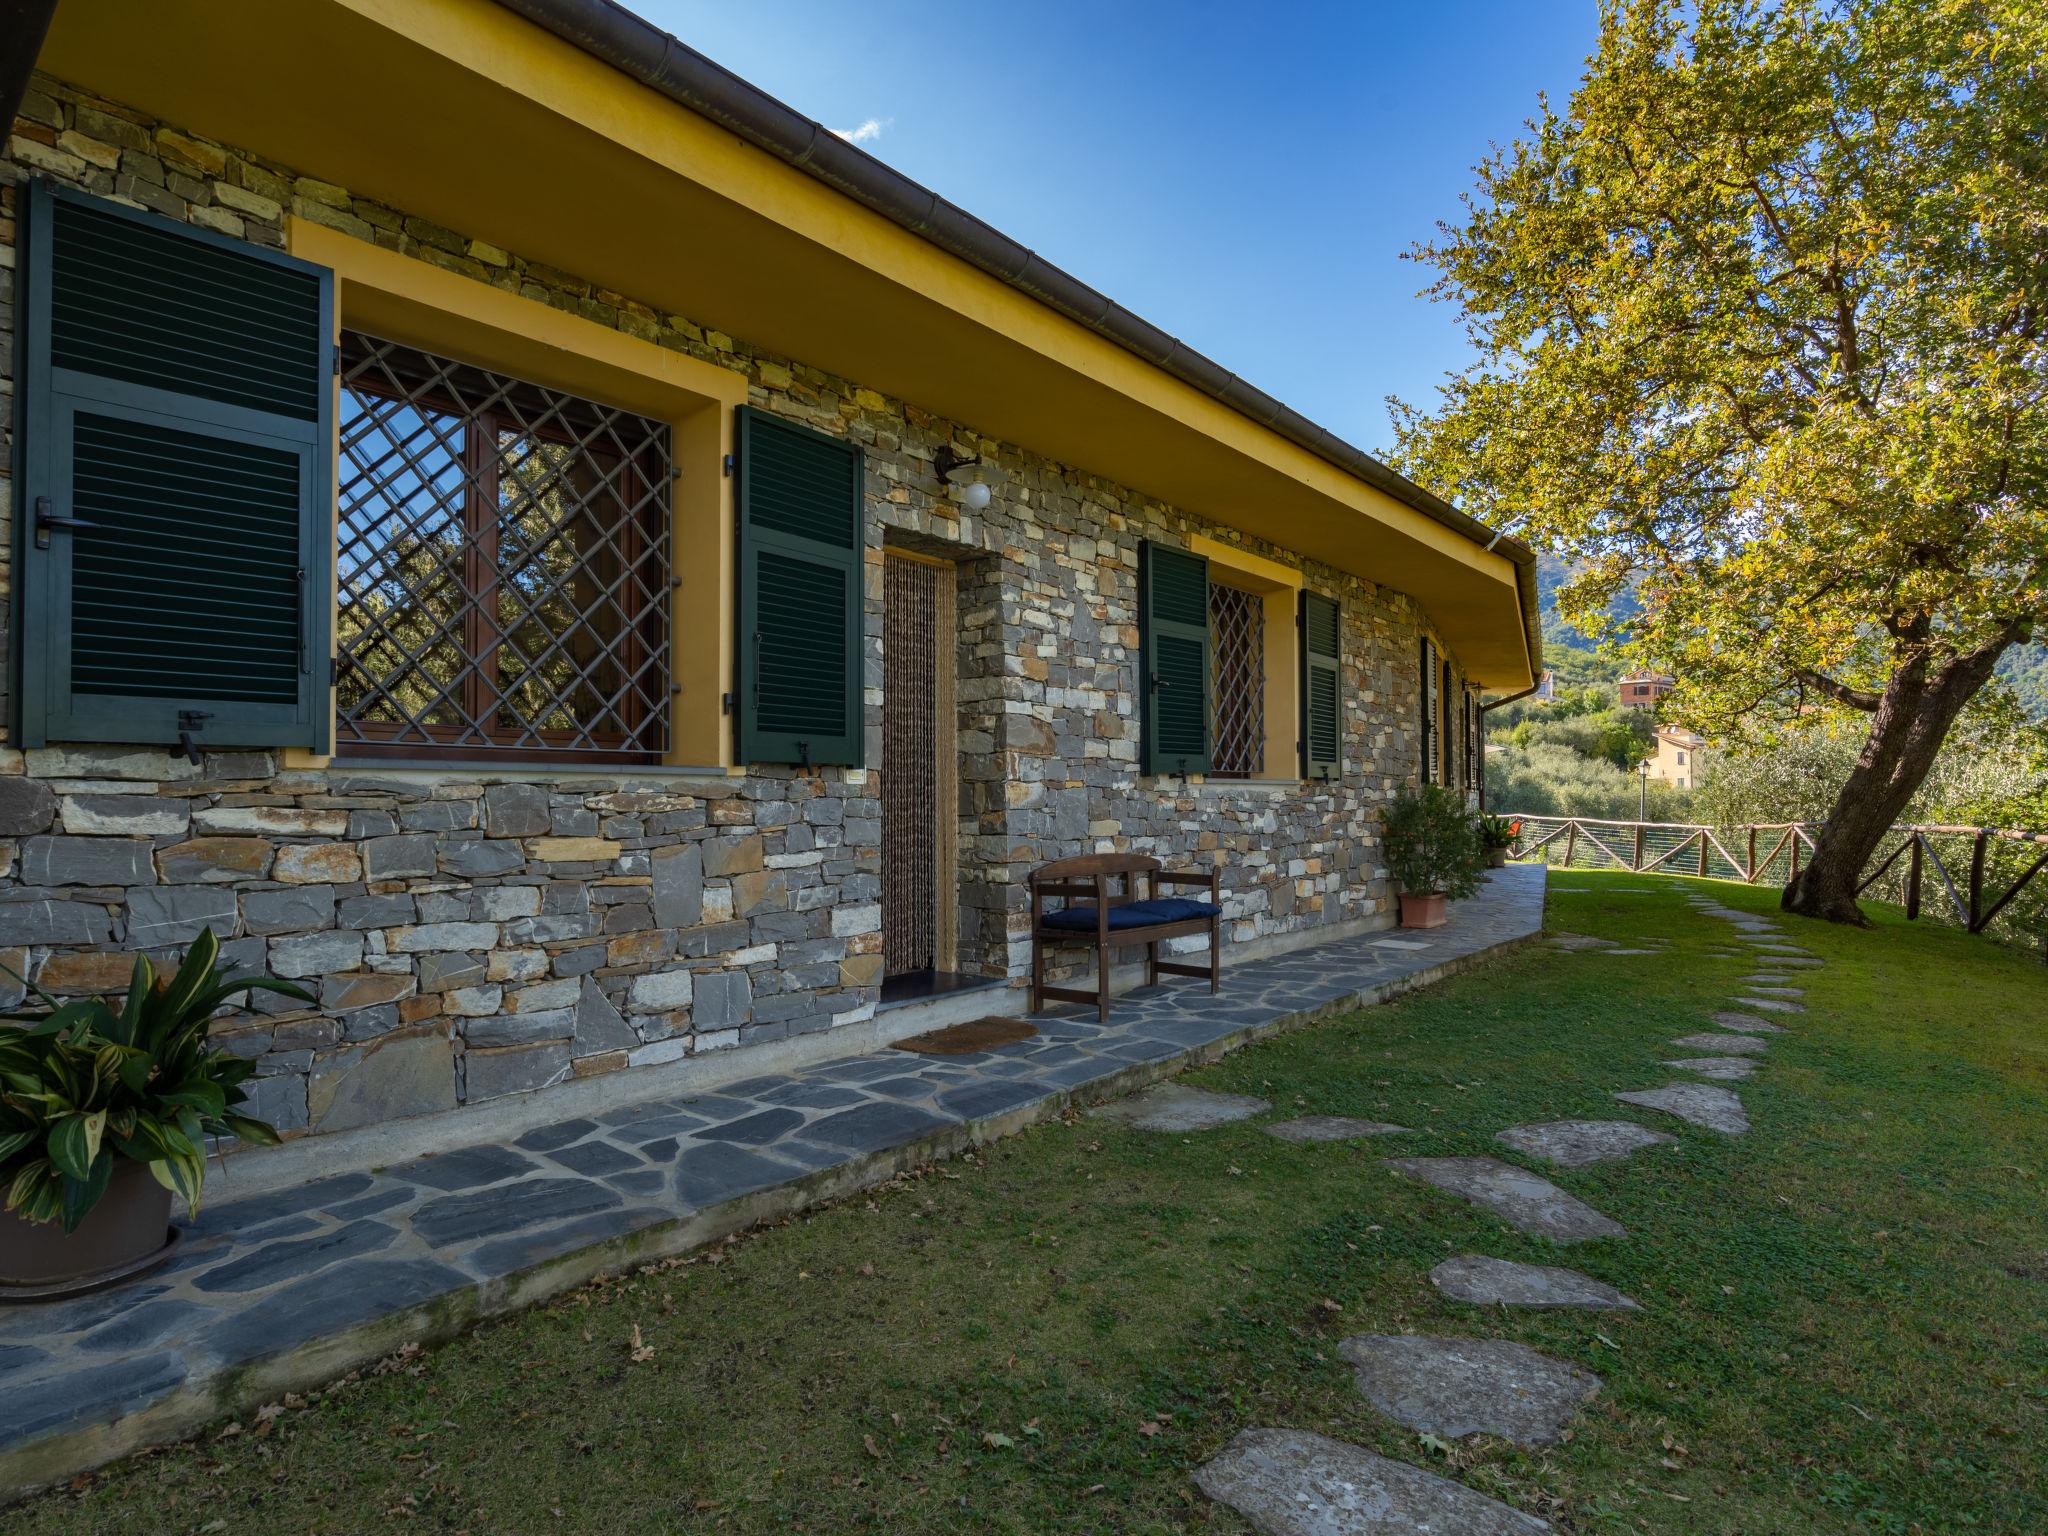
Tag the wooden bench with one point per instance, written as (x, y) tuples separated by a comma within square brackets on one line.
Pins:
[(1109, 921)]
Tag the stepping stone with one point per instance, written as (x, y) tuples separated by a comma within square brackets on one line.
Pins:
[(1718, 1109), (1724, 1045), (1544, 1287), (1176, 1107), (1771, 1004), (1773, 986), (1457, 1388), (1580, 941), (1522, 1199), (1801, 961), (1581, 1143), (1288, 1482), (1307, 1128), (1747, 1024), (1632, 951), (1723, 1069)]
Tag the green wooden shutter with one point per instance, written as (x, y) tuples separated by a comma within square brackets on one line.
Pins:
[(1322, 672), (1426, 702), (175, 524), (801, 513), (1173, 641)]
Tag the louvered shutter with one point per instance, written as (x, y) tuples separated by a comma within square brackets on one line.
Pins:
[(178, 420), (1322, 671), (801, 506), (1426, 702), (1173, 642)]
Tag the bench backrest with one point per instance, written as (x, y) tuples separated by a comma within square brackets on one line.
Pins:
[(1093, 876)]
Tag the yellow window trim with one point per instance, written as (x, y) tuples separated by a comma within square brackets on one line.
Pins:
[(404, 300), (1279, 587)]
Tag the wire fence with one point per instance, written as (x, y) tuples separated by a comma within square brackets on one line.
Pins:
[(1980, 879)]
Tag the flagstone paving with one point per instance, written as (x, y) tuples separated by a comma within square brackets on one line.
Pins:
[(1177, 1107), (1772, 1004), (1307, 1128), (1494, 1282), (1457, 1388), (1581, 1143), (1724, 1045), (1748, 1024), (1726, 1069), (1705, 1104), (1289, 1482), (1526, 1201)]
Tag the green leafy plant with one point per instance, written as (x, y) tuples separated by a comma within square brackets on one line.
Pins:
[(1433, 845), (84, 1082), (1498, 831)]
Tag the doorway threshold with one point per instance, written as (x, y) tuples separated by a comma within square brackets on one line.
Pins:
[(923, 986)]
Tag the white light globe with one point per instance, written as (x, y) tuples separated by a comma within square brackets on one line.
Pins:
[(974, 497)]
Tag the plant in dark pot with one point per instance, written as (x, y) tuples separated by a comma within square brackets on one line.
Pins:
[(1497, 835), (105, 1109), (1433, 850)]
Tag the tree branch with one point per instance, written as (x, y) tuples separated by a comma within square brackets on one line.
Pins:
[(1841, 693)]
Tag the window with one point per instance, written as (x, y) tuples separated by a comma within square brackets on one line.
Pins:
[(1428, 739), (503, 566), (1237, 629)]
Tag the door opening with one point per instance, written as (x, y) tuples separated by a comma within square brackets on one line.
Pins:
[(920, 795)]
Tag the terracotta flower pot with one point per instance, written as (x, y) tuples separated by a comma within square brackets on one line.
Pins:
[(1497, 858), (124, 1234), (1422, 909)]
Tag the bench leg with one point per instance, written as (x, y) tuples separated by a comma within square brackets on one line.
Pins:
[(1102, 985), (1037, 974), (1215, 956), (1152, 964)]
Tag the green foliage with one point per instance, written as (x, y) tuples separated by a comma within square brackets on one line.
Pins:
[(1760, 349), (85, 1081), (2024, 669), (1498, 832), (1432, 842), (1551, 780)]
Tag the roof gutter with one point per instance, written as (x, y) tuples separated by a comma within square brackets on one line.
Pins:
[(636, 47)]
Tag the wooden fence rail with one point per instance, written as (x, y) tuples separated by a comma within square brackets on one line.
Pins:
[(1697, 849)]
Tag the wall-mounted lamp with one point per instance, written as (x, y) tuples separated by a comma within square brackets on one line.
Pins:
[(949, 461)]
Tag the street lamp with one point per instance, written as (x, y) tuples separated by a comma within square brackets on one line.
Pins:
[(1643, 798)]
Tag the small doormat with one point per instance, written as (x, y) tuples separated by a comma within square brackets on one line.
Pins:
[(965, 1039)]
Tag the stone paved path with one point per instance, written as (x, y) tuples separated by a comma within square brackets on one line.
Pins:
[(1581, 1143), (1747, 1023), (1724, 1069), (1457, 1388), (1508, 1283), (1704, 1104), (1177, 1107), (1289, 1482), (1308, 1128), (1520, 1198), (287, 1290)]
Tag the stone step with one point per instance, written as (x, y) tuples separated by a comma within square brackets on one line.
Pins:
[(1308, 1128), (1522, 1199), (1747, 1023), (1725, 1069), (1176, 1107), (1457, 1388), (1491, 1282), (1701, 1104), (1289, 1482), (1723, 1045), (1580, 1143)]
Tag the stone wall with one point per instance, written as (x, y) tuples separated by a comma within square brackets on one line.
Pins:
[(478, 931)]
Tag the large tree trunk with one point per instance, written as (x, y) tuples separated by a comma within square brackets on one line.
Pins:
[(1911, 720)]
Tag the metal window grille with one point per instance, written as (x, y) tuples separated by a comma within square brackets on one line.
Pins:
[(502, 563), (1237, 622)]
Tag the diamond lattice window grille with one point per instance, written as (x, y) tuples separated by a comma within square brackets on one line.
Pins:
[(502, 563), (1237, 622)]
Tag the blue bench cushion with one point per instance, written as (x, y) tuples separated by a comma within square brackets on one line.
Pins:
[(1133, 914)]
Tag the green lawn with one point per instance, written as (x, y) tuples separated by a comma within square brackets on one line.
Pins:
[(1844, 1327)]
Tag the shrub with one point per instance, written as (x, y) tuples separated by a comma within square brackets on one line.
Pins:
[(1433, 843)]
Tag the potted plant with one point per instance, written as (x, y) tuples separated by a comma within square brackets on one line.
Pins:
[(1497, 835), (104, 1115), (1433, 850)]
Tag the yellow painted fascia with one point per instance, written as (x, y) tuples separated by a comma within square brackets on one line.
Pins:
[(484, 37)]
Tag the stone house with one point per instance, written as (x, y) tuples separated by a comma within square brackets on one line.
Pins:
[(592, 574)]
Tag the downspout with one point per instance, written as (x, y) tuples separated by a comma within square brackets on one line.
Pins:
[(23, 26), (1496, 704)]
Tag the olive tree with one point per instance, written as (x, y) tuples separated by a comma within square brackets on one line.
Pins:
[(1758, 323)]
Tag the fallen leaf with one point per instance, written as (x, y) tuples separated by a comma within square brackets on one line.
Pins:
[(1149, 1428), (997, 1441), (642, 1351)]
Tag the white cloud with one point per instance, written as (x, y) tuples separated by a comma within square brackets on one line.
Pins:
[(867, 132)]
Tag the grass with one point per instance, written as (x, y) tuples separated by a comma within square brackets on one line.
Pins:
[(1843, 1324)]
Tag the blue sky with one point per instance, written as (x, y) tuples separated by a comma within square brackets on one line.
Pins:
[(1245, 176)]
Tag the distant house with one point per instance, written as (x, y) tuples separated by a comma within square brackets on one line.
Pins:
[(1546, 689), (1676, 760), (1642, 690)]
